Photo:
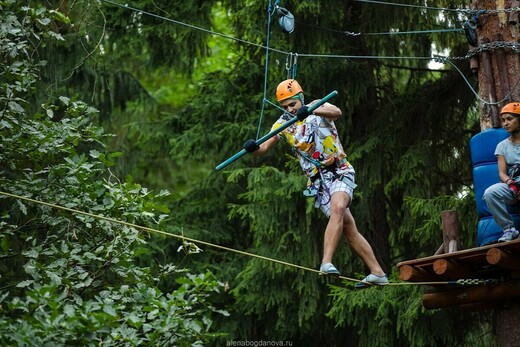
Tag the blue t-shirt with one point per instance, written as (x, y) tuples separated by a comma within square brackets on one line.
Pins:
[(510, 151)]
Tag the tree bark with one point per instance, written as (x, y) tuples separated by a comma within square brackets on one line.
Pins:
[(497, 27), (493, 86), (507, 323), (450, 231)]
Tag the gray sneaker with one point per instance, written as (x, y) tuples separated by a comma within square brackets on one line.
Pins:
[(328, 269), (509, 235), (372, 280)]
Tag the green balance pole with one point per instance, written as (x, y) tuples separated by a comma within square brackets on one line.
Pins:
[(276, 131)]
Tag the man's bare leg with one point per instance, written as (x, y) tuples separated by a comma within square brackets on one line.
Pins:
[(360, 244), (338, 204)]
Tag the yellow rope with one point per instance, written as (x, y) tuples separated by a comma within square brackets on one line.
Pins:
[(201, 242)]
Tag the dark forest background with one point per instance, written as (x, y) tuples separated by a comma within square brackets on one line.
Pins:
[(124, 110)]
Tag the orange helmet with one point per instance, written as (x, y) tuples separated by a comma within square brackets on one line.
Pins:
[(287, 89), (512, 107)]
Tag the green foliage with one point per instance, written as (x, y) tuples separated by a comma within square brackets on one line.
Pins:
[(71, 279), (400, 318), (130, 315), (405, 130), (181, 101)]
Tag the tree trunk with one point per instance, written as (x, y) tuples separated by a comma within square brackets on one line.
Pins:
[(499, 67), (499, 70), (507, 323)]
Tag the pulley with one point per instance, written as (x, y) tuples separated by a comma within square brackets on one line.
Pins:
[(286, 20)]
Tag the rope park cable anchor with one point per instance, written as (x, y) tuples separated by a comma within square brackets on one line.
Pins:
[(276, 131), (470, 28)]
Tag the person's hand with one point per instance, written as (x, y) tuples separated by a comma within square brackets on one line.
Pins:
[(251, 146), (302, 113), (513, 187)]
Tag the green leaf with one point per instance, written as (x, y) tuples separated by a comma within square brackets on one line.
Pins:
[(24, 284), (110, 310)]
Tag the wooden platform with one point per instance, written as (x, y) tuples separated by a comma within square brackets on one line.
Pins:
[(497, 265)]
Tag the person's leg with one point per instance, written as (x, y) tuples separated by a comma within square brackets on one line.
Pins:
[(497, 197), (342, 221), (334, 229), (359, 244)]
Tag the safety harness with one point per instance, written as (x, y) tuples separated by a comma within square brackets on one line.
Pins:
[(315, 183)]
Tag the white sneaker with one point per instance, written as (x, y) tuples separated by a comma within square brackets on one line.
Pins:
[(509, 235), (328, 269), (372, 280)]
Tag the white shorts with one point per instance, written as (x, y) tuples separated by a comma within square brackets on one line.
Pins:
[(331, 183)]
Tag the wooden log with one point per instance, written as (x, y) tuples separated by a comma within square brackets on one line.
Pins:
[(496, 256), (452, 269), (473, 256), (450, 230), (478, 306), (414, 274), (472, 294)]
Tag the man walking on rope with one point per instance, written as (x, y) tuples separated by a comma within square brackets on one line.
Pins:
[(314, 140)]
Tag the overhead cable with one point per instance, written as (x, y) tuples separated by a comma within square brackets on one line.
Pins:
[(259, 45)]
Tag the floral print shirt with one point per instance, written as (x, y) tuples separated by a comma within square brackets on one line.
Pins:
[(315, 142)]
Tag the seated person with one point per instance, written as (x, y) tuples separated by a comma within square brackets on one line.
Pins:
[(507, 192)]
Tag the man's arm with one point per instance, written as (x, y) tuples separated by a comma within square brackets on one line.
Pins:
[(328, 111), (258, 150), (266, 146)]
